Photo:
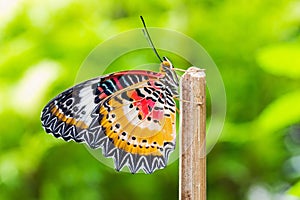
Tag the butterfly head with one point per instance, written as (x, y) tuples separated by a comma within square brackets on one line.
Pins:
[(170, 76), (166, 65)]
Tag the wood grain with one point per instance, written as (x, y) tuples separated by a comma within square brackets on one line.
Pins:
[(192, 173)]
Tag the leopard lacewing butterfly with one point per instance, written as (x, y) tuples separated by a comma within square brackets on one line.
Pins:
[(130, 115)]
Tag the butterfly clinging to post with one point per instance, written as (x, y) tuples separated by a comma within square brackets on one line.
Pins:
[(130, 115)]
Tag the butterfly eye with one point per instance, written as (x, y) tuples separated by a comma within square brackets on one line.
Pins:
[(166, 63)]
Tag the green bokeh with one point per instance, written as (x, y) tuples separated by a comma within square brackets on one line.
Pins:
[(255, 45)]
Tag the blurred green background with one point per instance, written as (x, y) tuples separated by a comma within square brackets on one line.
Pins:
[(255, 44)]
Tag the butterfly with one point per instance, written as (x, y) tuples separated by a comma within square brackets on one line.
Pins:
[(130, 115)]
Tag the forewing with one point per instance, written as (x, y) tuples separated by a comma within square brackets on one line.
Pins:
[(69, 115)]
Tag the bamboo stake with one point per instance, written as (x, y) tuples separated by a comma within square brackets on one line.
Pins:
[(192, 172)]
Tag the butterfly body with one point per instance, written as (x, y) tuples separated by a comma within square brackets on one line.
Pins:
[(130, 115)]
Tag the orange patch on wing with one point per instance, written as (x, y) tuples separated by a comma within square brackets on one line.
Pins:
[(155, 139), (68, 120)]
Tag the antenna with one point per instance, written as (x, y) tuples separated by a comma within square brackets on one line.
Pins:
[(146, 33)]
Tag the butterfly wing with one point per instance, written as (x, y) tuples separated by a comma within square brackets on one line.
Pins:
[(139, 123), (82, 113), (67, 115)]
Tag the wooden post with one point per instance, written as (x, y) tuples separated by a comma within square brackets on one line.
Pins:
[(192, 170)]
